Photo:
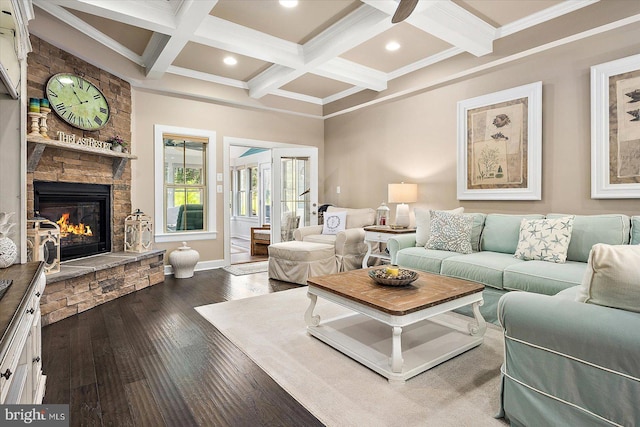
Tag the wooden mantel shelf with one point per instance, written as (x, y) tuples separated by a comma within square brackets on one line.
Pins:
[(39, 144)]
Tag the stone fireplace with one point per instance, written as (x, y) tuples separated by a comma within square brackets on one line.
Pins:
[(85, 188)]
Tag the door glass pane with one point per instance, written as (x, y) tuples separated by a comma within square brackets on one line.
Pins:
[(266, 195), (295, 204), (253, 190)]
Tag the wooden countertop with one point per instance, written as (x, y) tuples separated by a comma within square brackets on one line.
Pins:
[(14, 300)]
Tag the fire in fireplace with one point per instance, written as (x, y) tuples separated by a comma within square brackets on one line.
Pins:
[(67, 227), (83, 212)]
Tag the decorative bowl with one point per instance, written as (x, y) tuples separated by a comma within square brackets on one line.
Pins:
[(403, 278)]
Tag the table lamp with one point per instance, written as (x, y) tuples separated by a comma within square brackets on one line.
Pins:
[(403, 193)]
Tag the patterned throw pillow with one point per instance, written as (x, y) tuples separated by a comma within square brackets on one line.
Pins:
[(423, 224), (450, 232), (334, 222), (545, 239)]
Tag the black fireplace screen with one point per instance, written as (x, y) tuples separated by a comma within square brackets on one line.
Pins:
[(83, 212)]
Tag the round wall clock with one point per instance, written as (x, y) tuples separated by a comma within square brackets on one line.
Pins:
[(77, 101)]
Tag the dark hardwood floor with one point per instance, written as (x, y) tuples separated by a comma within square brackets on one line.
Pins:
[(149, 359)]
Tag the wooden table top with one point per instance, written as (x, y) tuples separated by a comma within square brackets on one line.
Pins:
[(427, 291), (388, 229)]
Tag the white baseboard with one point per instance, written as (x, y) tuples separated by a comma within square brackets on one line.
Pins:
[(201, 266)]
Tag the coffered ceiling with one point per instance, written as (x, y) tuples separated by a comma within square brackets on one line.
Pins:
[(318, 52)]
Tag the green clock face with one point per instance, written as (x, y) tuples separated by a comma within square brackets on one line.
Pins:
[(77, 101)]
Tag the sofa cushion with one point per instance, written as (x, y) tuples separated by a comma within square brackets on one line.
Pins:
[(544, 239), (543, 277), (423, 224), (334, 222), (635, 230), (612, 278), (327, 239), (476, 231), (422, 259), (356, 218), (501, 232), (588, 230), (482, 267), (450, 232)]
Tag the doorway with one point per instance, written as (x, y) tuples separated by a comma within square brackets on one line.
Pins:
[(270, 186)]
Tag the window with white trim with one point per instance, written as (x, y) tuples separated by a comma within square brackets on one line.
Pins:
[(184, 186)]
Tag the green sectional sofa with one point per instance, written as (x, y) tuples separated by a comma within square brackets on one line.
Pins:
[(571, 349), (494, 239), (572, 358)]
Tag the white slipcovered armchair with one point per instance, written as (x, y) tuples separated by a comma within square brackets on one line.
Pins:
[(349, 244)]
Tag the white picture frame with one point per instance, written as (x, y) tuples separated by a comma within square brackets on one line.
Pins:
[(513, 140), (615, 175)]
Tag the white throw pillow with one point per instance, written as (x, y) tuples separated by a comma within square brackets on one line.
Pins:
[(423, 224), (356, 218), (544, 239), (612, 278), (334, 222)]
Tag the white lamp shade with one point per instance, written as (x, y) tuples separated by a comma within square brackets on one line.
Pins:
[(403, 193)]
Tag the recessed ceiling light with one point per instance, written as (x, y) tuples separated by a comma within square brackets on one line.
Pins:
[(288, 3), (230, 60), (391, 46)]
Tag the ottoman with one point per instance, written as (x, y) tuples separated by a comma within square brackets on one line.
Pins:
[(296, 261)]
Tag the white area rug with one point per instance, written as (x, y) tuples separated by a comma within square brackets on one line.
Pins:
[(247, 268), (270, 329)]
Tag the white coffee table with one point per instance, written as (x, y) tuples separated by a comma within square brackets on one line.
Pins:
[(395, 331)]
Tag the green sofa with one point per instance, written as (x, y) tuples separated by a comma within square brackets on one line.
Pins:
[(567, 362), (494, 240), (572, 358)]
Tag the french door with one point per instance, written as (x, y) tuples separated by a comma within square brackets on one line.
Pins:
[(295, 191)]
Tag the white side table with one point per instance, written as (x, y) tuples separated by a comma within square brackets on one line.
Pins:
[(376, 234)]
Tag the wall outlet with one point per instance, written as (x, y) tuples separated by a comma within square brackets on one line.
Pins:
[(219, 188), (219, 177), (338, 189)]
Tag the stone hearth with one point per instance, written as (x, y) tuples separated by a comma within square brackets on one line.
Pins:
[(85, 283)]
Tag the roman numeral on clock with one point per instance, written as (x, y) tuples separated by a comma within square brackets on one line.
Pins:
[(103, 110), (98, 120), (96, 96), (61, 106), (52, 93)]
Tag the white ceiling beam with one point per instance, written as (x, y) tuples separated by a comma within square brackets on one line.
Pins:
[(225, 35), (199, 75), (147, 15), (544, 15), (77, 23), (458, 27), (357, 27), (189, 17), (447, 21), (352, 73)]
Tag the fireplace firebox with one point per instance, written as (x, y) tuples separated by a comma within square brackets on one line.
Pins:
[(83, 212)]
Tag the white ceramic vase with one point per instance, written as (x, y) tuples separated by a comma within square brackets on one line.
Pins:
[(183, 260), (8, 252)]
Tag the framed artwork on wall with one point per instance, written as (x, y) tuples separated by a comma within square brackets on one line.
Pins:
[(500, 145), (615, 129)]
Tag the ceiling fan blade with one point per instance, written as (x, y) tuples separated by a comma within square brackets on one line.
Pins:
[(405, 7)]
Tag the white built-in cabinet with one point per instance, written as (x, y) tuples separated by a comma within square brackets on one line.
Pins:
[(21, 378)]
